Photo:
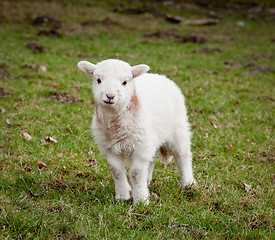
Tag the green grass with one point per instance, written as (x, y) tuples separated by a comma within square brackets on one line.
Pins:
[(231, 110)]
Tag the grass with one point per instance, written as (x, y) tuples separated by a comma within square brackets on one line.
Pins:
[(229, 93)]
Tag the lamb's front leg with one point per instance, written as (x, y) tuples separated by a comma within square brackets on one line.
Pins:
[(139, 176), (117, 167)]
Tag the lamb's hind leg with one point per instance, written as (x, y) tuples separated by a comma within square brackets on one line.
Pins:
[(183, 157), (184, 164), (122, 187)]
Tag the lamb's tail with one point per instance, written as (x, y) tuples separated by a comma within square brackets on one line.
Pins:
[(166, 155)]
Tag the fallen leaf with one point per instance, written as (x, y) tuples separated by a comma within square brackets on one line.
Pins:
[(90, 153), (214, 125), (229, 146), (27, 136), (247, 187), (8, 122), (240, 24), (43, 68), (50, 139), (41, 164), (54, 84)]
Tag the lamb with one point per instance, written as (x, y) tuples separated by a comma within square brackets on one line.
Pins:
[(136, 114)]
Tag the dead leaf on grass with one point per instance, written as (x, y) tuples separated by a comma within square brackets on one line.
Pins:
[(247, 187), (41, 164), (60, 155), (50, 139), (8, 122), (214, 125), (54, 84), (228, 146), (27, 136), (90, 153)]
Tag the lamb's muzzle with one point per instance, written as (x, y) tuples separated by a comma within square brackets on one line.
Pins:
[(136, 114)]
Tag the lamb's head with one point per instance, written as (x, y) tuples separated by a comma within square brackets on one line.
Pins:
[(112, 82)]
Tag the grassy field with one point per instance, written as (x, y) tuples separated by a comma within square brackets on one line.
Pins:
[(64, 189)]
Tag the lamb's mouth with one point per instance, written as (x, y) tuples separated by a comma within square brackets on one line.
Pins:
[(108, 102)]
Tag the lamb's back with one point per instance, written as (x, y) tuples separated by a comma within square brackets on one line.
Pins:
[(161, 101)]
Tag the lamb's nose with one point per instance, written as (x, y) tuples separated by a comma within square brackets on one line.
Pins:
[(110, 96)]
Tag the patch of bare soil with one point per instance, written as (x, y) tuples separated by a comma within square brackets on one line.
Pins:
[(87, 56), (252, 68), (3, 71), (61, 184), (3, 92), (63, 97), (201, 22), (207, 50), (266, 98), (176, 37), (136, 11), (105, 22), (268, 158), (49, 33), (35, 48), (194, 39), (46, 21), (232, 64), (165, 36), (47, 26)]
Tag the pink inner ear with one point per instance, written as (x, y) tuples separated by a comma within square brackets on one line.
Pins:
[(137, 71), (89, 70)]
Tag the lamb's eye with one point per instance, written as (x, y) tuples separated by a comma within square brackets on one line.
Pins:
[(124, 83), (98, 81)]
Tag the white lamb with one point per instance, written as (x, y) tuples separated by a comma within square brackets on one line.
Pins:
[(136, 114)]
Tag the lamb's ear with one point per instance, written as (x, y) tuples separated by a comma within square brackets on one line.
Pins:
[(139, 69), (86, 67)]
